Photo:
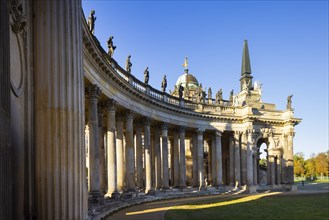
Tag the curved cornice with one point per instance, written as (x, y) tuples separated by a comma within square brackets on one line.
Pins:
[(117, 84)]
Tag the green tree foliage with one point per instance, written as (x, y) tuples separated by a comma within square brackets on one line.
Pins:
[(315, 166), (299, 164)]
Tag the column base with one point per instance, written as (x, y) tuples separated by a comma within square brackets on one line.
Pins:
[(96, 197), (202, 188), (115, 195), (150, 192), (250, 188), (165, 189)]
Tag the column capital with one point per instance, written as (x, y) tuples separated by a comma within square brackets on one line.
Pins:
[(219, 133), (147, 121), (93, 92), (164, 126), (129, 115), (110, 104), (181, 129), (200, 131), (237, 134)]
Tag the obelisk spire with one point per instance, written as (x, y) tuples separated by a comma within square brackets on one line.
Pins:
[(246, 77), (245, 69)]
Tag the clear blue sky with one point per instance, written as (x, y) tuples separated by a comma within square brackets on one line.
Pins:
[(288, 46)]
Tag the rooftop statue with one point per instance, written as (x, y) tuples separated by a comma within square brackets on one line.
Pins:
[(219, 96), (91, 21), (110, 46), (231, 95), (209, 94), (289, 101), (128, 65), (164, 84), (146, 76), (185, 64), (180, 91)]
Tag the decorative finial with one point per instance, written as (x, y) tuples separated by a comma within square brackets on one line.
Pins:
[(289, 101), (185, 64)]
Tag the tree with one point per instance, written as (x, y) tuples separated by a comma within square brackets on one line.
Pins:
[(299, 164), (322, 164), (310, 166)]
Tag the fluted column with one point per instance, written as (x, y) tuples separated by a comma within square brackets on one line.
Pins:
[(5, 141), (200, 157), (232, 161), (112, 189), (176, 158), (93, 93), (272, 168), (129, 151), (101, 147), (195, 160), (255, 166), (148, 156), (278, 168), (243, 157), (139, 156), (119, 151), (237, 159), (250, 171), (290, 158), (219, 160), (165, 168), (182, 159), (59, 111), (158, 170)]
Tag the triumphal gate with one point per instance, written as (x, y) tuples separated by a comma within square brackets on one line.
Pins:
[(77, 128)]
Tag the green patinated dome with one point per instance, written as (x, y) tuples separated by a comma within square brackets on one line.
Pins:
[(187, 80)]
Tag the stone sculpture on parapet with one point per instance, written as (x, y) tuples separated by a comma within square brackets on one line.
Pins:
[(128, 65), (91, 21), (219, 96), (146, 76), (289, 101), (110, 46), (231, 96), (164, 84), (180, 91)]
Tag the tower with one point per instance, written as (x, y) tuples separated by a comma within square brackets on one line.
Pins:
[(246, 77)]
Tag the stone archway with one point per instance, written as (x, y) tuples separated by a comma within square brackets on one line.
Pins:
[(262, 145)]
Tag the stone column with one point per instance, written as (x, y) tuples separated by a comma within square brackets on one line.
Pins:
[(158, 170), (210, 161), (219, 161), (101, 147), (172, 175), (278, 168), (120, 154), (290, 158), (255, 167), (176, 159), (153, 171), (182, 159), (6, 208), (139, 156), (243, 157), (237, 159), (112, 189), (213, 160), (200, 158), (59, 111), (232, 161), (272, 168), (195, 160), (148, 156), (250, 171), (165, 171), (130, 156), (94, 180)]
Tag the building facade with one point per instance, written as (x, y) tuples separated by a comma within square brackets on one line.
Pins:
[(67, 105)]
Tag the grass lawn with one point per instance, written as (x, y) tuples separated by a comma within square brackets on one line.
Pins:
[(258, 206)]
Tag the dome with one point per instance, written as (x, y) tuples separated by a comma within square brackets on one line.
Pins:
[(187, 80)]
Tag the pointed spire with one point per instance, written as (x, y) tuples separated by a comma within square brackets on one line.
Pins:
[(245, 69)]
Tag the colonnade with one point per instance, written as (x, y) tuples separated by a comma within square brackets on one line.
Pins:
[(138, 149)]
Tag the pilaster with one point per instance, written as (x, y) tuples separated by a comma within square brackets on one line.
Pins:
[(176, 158), (237, 161), (158, 163), (119, 150), (139, 155), (232, 161), (219, 160), (200, 157), (101, 148)]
